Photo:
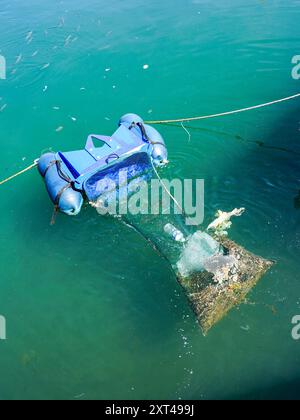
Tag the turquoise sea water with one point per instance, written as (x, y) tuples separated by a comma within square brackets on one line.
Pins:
[(92, 311)]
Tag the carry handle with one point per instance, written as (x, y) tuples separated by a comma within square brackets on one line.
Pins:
[(114, 156)]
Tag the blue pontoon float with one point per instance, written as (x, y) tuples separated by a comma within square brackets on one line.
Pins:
[(71, 177)]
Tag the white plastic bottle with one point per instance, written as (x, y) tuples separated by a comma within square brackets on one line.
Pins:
[(176, 234)]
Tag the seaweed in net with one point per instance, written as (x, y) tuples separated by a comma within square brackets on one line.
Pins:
[(211, 299)]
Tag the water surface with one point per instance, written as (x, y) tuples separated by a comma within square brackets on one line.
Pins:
[(92, 311)]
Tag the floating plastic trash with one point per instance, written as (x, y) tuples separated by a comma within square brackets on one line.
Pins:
[(174, 233), (72, 176)]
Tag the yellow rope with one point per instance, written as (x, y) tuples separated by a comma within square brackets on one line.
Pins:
[(35, 163), (205, 117)]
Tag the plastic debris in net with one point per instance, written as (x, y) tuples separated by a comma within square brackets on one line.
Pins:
[(223, 221), (199, 248), (215, 273), (224, 284)]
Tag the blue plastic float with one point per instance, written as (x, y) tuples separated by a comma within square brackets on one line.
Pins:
[(70, 177)]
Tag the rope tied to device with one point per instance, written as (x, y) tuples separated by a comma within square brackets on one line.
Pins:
[(145, 136), (180, 120), (69, 184)]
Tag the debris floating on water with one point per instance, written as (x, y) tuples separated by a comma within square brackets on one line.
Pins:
[(246, 328), (29, 37), (223, 223), (61, 22), (19, 59), (68, 40)]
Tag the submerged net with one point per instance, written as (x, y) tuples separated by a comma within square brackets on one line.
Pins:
[(211, 300), (215, 273)]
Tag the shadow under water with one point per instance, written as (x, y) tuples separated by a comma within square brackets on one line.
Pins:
[(297, 201), (285, 391)]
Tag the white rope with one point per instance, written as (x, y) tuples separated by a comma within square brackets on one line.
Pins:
[(166, 189), (33, 165), (238, 111), (187, 131)]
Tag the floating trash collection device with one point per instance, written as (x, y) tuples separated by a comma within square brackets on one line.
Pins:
[(72, 176), (215, 273)]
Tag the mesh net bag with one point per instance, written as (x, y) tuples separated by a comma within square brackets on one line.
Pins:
[(216, 274), (212, 300)]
